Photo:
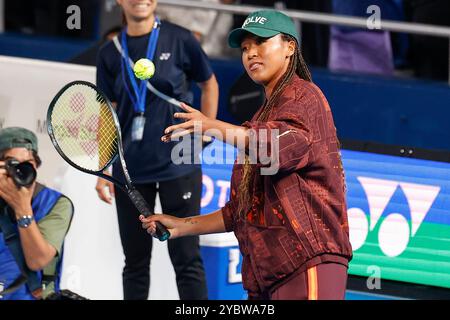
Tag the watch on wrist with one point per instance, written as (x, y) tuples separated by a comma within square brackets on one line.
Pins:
[(25, 221)]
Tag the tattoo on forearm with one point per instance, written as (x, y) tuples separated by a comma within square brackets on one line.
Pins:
[(190, 220)]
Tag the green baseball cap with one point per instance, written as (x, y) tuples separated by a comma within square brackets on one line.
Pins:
[(16, 137), (265, 24)]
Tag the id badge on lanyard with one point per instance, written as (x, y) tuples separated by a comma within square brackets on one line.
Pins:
[(139, 93), (137, 130)]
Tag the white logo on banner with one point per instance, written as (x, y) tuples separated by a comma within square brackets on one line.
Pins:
[(208, 195), (395, 231), (233, 275)]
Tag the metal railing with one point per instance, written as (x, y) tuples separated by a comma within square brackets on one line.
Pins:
[(322, 18)]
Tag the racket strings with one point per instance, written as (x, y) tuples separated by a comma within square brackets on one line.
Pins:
[(84, 127), (108, 141)]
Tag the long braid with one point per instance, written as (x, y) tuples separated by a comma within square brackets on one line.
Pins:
[(297, 66)]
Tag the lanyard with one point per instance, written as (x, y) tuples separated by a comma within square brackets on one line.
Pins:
[(139, 92)]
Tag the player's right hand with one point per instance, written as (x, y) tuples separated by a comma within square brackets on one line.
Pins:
[(105, 190)]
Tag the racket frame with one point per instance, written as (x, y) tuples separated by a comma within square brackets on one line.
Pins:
[(119, 153), (127, 187)]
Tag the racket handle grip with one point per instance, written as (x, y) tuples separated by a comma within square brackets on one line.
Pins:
[(138, 200)]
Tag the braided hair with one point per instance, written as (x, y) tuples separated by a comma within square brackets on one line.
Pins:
[(297, 66)]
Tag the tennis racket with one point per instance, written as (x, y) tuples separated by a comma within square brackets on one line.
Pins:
[(85, 131)]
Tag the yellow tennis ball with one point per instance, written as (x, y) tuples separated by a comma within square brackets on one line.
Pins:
[(144, 69)]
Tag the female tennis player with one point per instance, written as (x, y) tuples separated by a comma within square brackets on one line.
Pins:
[(292, 224)]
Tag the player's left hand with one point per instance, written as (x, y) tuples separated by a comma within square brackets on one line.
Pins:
[(194, 121)]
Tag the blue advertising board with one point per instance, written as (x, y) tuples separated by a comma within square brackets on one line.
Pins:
[(399, 216)]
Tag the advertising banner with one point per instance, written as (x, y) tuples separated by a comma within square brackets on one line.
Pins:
[(399, 215), (398, 211)]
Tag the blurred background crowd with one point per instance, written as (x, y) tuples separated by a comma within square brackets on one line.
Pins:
[(334, 47)]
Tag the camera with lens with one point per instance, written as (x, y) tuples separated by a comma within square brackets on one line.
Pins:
[(22, 173)]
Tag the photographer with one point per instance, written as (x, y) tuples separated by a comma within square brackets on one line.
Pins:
[(34, 221)]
